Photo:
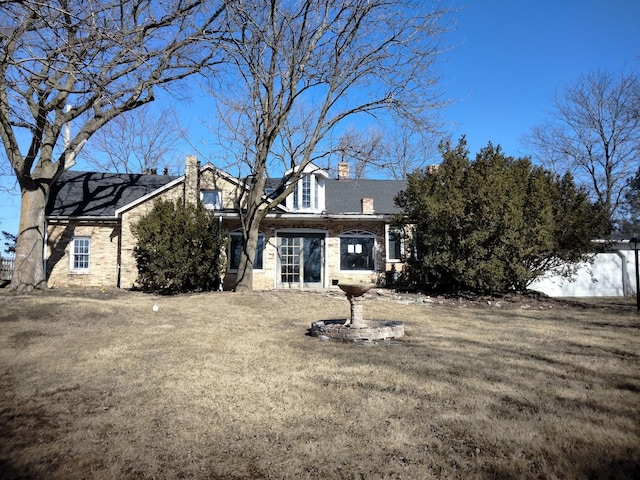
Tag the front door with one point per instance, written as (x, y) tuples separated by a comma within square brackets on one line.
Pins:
[(301, 260)]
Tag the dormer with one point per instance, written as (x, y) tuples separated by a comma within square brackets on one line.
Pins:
[(308, 195)]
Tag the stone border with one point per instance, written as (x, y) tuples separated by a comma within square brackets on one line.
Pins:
[(373, 331)]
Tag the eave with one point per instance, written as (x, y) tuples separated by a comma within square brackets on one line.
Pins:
[(82, 218), (360, 217)]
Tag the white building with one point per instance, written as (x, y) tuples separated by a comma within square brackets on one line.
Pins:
[(612, 273)]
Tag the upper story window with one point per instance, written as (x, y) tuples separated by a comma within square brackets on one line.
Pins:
[(306, 191), (308, 194), (211, 199), (80, 254)]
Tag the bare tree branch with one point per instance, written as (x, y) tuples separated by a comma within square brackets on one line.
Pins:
[(594, 133), (299, 70), (136, 142), (101, 58)]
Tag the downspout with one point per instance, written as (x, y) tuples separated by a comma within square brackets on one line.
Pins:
[(44, 248), (119, 252)]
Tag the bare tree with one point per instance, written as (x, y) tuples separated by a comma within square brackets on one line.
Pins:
[(298, 70), (392, 154), (594, 133), (362, 149), (136, 141), (83, 62)]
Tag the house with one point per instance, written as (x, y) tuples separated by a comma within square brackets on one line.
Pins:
[(329, 230)]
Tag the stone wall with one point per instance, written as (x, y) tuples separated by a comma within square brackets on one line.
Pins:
[(128, 267), (103, 268), (268, 277), (211, 180)]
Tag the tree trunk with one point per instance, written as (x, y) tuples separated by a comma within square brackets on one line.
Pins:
[(244, 280), (252, 218), (28, 272)]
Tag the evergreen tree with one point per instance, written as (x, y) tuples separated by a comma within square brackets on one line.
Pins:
[(9, 242), (630, 222), (180, 248), (497, 223)]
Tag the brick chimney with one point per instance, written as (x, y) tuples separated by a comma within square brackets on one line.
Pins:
[(192, 179), (343, 171), (367, 206)]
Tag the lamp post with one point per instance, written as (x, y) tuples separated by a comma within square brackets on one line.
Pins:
[(636, 241)]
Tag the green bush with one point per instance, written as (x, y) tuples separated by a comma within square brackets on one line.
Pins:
[(180, 248), (495, 224)]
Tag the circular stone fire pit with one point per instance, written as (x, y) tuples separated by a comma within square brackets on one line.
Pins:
[(356, 328)]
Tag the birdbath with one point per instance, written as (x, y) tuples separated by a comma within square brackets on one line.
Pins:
[(354, 292)]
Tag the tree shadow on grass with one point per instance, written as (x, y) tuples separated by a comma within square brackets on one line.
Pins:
[(526, 387)]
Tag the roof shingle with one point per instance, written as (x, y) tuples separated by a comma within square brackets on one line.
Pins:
[(91, 194)]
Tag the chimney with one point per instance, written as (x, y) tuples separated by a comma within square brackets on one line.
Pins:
[(343, 171), (367, 206), (192, 180)]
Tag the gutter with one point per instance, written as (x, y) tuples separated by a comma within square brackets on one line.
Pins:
[(313, 216), (83, 218)]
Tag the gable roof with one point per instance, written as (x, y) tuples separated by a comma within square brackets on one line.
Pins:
[(91, 194)]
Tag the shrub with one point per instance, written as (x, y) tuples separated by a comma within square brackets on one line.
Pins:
[(180, 248), (497, 223)]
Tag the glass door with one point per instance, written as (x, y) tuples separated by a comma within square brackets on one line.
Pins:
[(301, 260)]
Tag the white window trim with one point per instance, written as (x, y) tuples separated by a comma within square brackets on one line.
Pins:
[(72, 255), (239, 233), (215, 206), (316, 195), (359, 234), (387, 235)]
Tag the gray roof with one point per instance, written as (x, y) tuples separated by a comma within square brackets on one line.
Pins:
[(345, 196), (91, 194)]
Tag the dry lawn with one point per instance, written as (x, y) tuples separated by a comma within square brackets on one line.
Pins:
[(96, 385)]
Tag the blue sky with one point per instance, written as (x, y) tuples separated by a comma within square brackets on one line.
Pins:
[(506, 60), (512, 55)]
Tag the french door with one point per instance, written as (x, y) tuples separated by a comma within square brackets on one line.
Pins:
[(301, 260)]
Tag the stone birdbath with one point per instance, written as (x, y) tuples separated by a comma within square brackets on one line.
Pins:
[(354, 292), (356, 328)]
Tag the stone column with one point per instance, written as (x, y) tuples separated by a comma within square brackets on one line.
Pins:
[(357, 320)]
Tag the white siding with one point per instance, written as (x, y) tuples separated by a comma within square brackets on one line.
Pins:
[(612, 274)]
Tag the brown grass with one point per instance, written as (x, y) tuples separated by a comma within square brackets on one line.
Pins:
[(96, 385)]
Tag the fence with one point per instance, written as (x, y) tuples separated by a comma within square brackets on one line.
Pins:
[(6, 268)]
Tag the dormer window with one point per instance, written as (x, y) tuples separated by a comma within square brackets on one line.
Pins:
[(305, 195), (308, 194), (211, 199)]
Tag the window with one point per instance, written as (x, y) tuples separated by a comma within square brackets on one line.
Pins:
[(306, 195), (306, 191), (395, 243), (235, 250), (80, 251), (212, 199), (357, 249)]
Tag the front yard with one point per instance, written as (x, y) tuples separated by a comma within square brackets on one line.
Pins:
[(95, 384)]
